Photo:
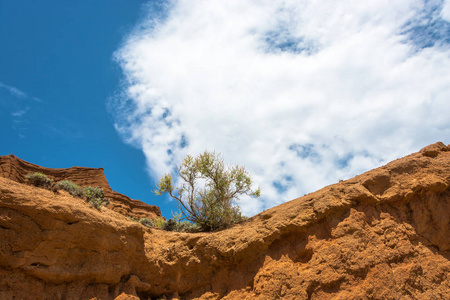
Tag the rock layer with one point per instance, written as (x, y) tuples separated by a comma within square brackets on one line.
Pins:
[(16, 169), (381, 235)]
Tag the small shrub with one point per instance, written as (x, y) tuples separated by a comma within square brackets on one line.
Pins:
[(95, 196), (244, 218), (93, 192), (170, 225), (132, 219), (180, 226), (186, 226), (39, 179), (147, 222), (157, 222), (70, 187), (98, 203)]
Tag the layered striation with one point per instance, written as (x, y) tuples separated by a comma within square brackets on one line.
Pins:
[(16, 169), (381, 235)]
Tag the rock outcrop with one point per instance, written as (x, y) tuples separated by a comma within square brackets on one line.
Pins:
[(16, 169), (382, 235)]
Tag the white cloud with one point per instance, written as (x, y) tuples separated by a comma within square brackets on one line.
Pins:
[(446, 10), (302, 93), (17, 93), (13, 91), (19, 113)]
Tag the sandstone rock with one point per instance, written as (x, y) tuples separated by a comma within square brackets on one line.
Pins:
[(434, 149), (16, 169), (381, 235)]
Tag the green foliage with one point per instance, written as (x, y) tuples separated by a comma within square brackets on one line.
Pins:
[(132, 219), (170, 225), (180, 226), (70, 187), (94, 195), (146, 222), (98, 203), (244, 218), (175, 224), (93, 192), (210, 189), (39, 179), (157, 222)]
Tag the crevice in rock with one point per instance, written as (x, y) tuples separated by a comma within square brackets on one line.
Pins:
[(39, 265)]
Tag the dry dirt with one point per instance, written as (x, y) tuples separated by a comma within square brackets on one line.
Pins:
[(384, 234)]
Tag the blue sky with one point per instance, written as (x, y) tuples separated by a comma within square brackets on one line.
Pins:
[(56, 74), (302, 93)]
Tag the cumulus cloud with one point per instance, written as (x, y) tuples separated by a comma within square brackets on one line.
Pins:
[(446, 10), (302, 93)]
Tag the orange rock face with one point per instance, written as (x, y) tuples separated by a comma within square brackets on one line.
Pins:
[(382, 235), (16, 169)]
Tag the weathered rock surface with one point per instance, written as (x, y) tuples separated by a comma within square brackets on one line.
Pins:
[(382, 235), (16, 169)]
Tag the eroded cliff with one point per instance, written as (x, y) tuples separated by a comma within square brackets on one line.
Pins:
[(381, 235), (16, 169)]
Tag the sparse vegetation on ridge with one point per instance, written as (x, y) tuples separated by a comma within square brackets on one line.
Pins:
[(169, 225), (209, 192), (95, 196), (157, 222), (145, 221), (173, 224), (180, 226), (176, 224), (39, 179), (67, 185)]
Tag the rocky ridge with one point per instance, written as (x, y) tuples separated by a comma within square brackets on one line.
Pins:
[(380, 235), (16, 169)]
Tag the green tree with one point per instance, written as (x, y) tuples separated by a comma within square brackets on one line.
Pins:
[(209, 190)]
